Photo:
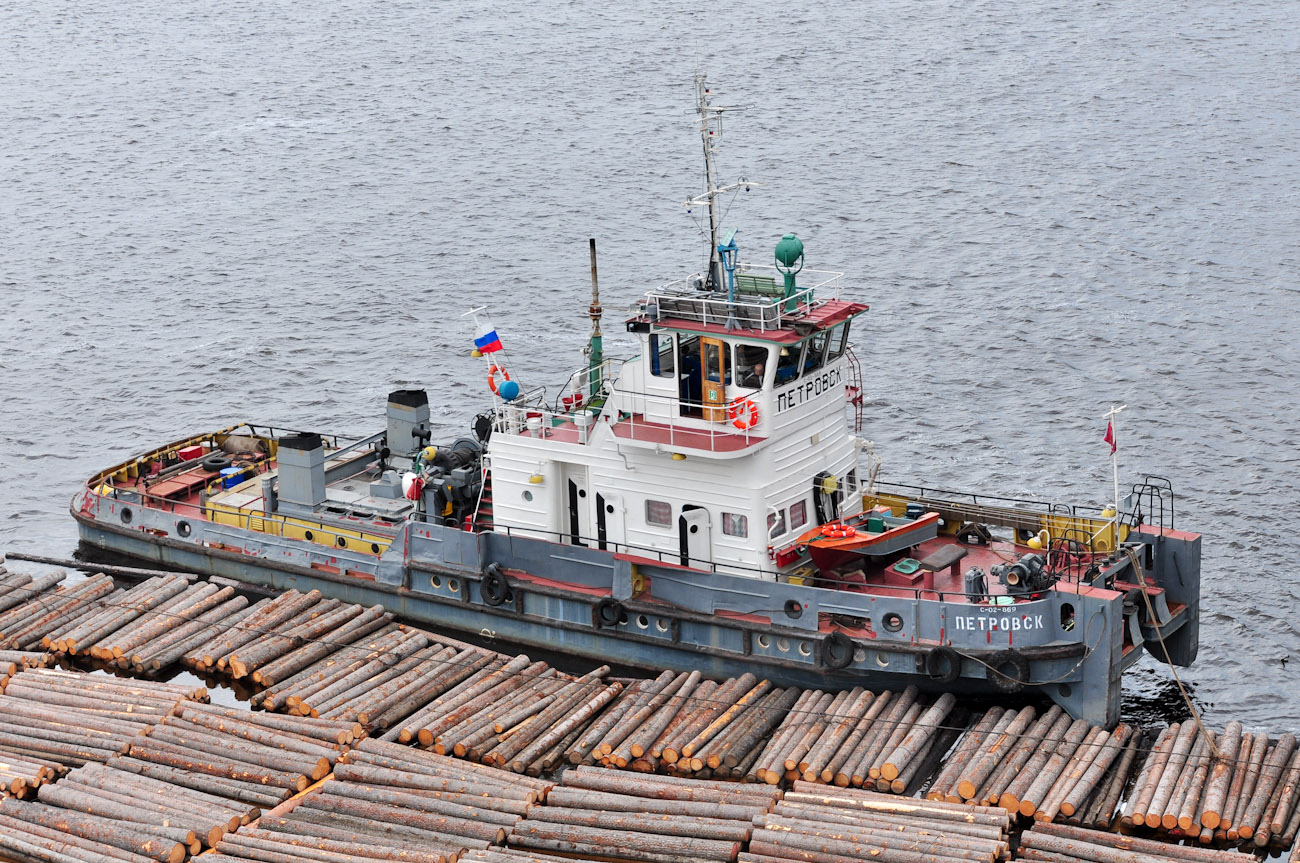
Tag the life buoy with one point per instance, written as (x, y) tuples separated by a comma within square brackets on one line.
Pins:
[(608, 612), (494, 586), (1008, 671), (838, 531), (837, 650), (493, 383), (943, 664), (743, 414)]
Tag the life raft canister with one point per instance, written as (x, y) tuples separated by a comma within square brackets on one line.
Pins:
[(493, 383), (743, 413)]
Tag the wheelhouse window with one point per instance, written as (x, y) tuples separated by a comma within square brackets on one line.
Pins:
[(839, 341), (787, 363), (775, 523), (658, 513), (815, 353), (752, 363), (798, 514), (663, 355), (734, 524)]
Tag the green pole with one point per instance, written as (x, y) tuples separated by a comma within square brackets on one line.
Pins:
[(595, 350)]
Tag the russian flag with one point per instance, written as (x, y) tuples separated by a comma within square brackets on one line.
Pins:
[(488, 342)]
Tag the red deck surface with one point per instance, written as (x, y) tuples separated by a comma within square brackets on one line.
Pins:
[(639, 428)]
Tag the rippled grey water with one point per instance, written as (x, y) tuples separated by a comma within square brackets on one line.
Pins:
[(278, 211)]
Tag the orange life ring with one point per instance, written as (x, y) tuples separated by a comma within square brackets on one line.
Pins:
[(492, 377), (835, 531), (743, 414)]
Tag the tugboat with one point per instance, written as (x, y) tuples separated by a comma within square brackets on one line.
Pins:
[(704, 504)]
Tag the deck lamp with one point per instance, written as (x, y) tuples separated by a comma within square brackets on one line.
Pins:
[(789, 260)]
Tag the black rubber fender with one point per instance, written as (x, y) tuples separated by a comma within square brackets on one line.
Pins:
[(608, 612), (837, 650), (216, 461), (943, 664), (1008, 671), (494, 587)]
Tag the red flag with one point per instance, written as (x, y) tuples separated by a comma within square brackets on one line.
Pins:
[(1110, 436)]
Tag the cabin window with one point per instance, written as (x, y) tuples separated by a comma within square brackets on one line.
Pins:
[(752, 363), (787, 364), (734, 524), (662, 356), (775, 523), (798, 514), (690, 381), (839, 341), (815, 353), (658, 512)]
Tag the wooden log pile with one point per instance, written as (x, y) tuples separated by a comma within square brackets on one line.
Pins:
[(235, 750), (386, 798), (29, 611), (1248, 791), (686, 726), (137, 803), (888, 742), (599, 813), (1063, 843), (1044, 766), (52, 720), (815, 823), (114, 612), (33, 832)]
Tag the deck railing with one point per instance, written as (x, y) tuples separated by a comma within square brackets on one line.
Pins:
[(684, 299)]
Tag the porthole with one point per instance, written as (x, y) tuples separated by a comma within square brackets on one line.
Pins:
[(126, 515), (183, 528), (882, 659), (661, 624), (804, 649), (453, 585), (528, 495), (582, 492), (793, 609), (783, 645), (622, 618), (893, 621), (764, 641), (436, 581), (341, 542), (642, 621), (308, 535), (1065, 690)]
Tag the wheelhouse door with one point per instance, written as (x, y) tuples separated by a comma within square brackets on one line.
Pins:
[(694, 539), (713, 358)]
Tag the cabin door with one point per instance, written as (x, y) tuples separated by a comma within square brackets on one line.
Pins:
[(713, 356), (694, 539), (609, 522), (577, 505)]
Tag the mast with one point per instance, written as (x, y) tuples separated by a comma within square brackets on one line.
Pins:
[(710, 132), (710, 135), (595, 349)]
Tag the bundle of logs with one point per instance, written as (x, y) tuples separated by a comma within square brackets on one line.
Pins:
[(1063, 843), (1043, 767), (888, 741), (31, 608), (385, 799), (1219, 786), (276, 755), (597, 813), (53, 720), (812, 822)]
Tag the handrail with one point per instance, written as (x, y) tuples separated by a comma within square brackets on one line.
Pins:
[(719, 307), (714, 429)]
